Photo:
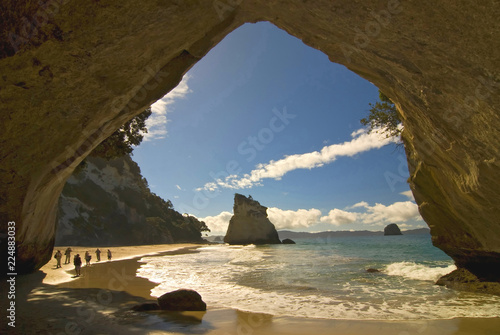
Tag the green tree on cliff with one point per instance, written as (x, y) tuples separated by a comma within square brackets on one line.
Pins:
[(384, 115), (121, 142)]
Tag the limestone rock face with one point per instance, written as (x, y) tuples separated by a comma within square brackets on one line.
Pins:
[(392, 229), (86, 67), (110, 203), (249, 224)]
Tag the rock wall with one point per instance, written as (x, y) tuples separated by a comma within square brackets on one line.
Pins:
[(108, 203), (250, 224), (73, 72)]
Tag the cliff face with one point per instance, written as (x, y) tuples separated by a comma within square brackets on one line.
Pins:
[(74, 72), (249, 224), (109, 203)]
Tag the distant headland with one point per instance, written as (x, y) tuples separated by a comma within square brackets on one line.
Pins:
[(284, 234)]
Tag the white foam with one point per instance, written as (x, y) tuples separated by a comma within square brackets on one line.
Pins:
[(416, 271), (221, 274)]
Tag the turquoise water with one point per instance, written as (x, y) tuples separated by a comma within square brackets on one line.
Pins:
[(323, 278)]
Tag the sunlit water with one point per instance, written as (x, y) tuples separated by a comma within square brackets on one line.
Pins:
[(320, 278)]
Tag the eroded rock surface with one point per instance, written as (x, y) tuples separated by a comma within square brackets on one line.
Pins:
[(182, 300), (250, 224), (74, 72), (464, 280)]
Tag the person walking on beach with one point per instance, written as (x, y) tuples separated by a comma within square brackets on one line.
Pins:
[(109, 255), (68, 255), (98, 254), (58, 257), (78, 264), (87, 258)]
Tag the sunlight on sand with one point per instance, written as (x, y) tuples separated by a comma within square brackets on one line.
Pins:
[(67, 271)]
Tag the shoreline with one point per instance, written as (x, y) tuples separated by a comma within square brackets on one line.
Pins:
[(100, 300), (118, 254), (120, 274)]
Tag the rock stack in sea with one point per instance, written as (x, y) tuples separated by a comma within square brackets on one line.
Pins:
[(392, 229), (250, 224)]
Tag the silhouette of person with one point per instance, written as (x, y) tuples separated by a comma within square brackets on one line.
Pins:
[(78, 264), (109, 255), (98, 254), (68, 255), (87, 258), (58, 257)]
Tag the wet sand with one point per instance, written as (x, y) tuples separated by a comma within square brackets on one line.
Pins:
[(52, 302)]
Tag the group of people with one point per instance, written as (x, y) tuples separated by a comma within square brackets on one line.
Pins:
[(77, 261)]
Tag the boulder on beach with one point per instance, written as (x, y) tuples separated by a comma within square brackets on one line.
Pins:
[(182, 300), (250, 224), (288, 241), (392, 229), (148, 306), (464, 280)]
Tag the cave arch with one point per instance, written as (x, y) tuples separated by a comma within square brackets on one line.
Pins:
[(73, 73)]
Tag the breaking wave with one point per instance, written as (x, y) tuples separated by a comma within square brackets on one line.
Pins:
[(411, 270)]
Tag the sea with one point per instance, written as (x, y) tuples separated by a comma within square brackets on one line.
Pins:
[(323, 278)]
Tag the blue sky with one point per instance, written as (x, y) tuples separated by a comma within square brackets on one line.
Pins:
[(264, 114)]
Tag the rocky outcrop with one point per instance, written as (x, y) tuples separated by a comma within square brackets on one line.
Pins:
[(464, 280), (392, 229), (109, 203), (73, 72), (288, 241), (249, 223), (182, 300), (145, 307)]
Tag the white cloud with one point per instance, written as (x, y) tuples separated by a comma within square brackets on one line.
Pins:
[(359, 204), (408, 194), (157, 122), (361, 141), (358, 132), (282, 219), (178, 187), (396, 212), (218, 223), (338, 217), (371, 216), (288, 219), (378, 214)]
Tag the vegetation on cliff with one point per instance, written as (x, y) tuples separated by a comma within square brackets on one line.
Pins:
[(122, 141), (383, 115), (110, 203)]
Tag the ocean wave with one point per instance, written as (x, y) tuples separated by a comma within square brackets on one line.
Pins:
[(303, 283), (416, 271)]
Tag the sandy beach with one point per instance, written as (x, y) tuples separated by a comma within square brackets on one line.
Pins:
[(51, 301)]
